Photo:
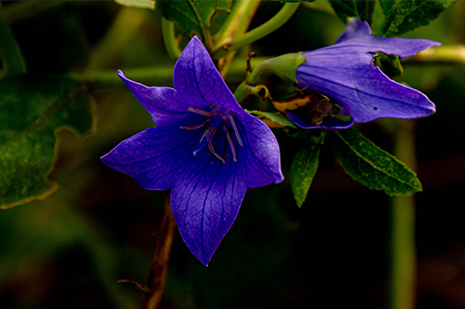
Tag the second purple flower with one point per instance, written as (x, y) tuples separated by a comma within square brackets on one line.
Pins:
[(345, 74)]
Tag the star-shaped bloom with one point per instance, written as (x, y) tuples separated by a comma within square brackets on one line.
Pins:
[(205, 148), (344, 73)]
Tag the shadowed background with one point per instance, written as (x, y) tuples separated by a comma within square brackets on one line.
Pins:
[(69, 249)]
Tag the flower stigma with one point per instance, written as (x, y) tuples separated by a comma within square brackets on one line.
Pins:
[(217, 119)]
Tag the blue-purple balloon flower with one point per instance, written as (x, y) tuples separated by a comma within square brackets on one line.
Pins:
[(206, 149), (344, 73)]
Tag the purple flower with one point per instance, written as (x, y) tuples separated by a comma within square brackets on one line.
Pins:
[(205, 148), (345, 73)]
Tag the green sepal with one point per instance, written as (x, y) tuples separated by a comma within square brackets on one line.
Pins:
[(408, 15), (32, 110), (304, 166), (372, 166), (283, 66)]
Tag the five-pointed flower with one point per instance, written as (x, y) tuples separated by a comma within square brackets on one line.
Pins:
[(205, 148), (345, 73)]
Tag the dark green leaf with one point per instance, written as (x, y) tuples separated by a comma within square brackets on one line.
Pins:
[(192, 15), (407, 15), (372, 166), (387, 6), (10, 55), (32, 109), (361, 9), (304, 166), (274, 117)]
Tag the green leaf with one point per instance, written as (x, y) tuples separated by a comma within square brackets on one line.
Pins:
[(10, 55), (32, 109), (192, 15), (387, 6), (407, 15), (304, 166), (372, 166), (274, 117), (361, 9)]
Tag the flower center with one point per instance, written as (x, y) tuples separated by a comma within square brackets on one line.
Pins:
[(319, 107), (217, 119)]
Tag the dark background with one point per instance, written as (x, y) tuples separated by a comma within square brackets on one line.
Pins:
[(69, 249)]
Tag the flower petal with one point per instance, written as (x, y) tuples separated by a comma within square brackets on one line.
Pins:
[(345, 72), (357, 36), (329, 123), (161, 102), (199, 82), (206, 200), (260, 156), (154, 156), (360, 87)]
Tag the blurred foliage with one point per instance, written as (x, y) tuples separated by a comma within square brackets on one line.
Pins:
[(69, 249)]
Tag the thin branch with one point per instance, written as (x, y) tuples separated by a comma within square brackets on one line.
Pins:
[(159, 269)]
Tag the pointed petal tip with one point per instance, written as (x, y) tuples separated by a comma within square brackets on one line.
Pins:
[(279, 177)]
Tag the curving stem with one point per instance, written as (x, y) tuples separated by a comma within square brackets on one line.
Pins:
[(263, 30)]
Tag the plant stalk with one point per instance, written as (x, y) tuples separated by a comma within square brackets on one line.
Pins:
[(402, 277), (169, 37), (159, 269), (268, 27)]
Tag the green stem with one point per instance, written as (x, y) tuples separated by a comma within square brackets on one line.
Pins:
[(97, 80), (452, 54), (235, 25), (152, 75), (237, 22), (403, 253), (263, 30), (169, 37)]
